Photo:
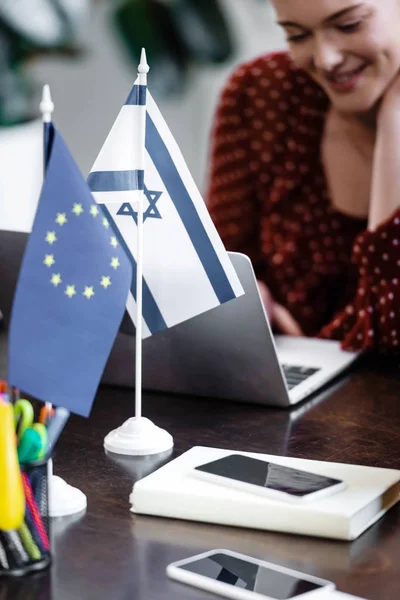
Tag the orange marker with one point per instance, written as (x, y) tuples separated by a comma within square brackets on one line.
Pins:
[(45, 414)]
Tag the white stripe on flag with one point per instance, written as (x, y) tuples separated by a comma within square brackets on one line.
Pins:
[(120, 151), (118, 198)]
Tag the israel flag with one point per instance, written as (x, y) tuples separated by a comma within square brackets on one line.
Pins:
[(186, 269)]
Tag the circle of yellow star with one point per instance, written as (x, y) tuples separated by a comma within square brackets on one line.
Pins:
[(61, 219), (50, 237), (114, 242), (106, 224), (94, 211), (77, 209), (114, 262), (49, 260), (105, 282), (88, 293), (70, 291), (56, 279)]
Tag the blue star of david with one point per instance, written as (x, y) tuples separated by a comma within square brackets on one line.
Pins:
[(151, 212)]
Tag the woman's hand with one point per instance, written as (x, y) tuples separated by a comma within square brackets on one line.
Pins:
[(279, 317)]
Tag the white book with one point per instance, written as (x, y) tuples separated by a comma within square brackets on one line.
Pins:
[(172, 491)]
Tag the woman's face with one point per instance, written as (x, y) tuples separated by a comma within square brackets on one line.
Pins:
[(351, 48)]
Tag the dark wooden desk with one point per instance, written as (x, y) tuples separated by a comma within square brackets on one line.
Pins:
[(110, 554)]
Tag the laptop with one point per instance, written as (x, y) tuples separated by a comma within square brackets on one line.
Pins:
[(230, 352)]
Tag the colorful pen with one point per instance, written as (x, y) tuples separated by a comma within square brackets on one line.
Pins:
[(3, 558), (30, 446), (29, 543), (45, 414), (23, 416), (12, 500)]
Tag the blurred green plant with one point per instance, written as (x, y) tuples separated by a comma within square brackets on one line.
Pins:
[(176, 34), (29, 28)]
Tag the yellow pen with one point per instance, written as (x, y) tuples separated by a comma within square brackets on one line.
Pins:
[(12, 499)]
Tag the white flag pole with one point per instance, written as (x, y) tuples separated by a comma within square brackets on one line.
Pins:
[(139, 436), (143, 69), (46, 107), (63, 498)]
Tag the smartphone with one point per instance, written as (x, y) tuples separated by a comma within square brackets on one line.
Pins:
[(268, 479), (241, 577)]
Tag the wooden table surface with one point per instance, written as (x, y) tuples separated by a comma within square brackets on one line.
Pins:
[(110, 554)]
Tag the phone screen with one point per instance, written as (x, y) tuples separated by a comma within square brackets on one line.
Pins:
[(268, 475), (250, 576)]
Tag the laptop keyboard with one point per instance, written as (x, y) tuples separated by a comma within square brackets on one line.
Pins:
[(295, 375)]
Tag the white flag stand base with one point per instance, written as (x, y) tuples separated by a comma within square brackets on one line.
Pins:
[(138, 436), (64, 499)]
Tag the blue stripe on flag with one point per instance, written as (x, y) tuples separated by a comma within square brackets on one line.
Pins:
[(116, 181), (137, 96), (151, 313), (187, 212)]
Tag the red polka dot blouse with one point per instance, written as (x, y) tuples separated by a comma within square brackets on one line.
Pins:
[(268, 197)]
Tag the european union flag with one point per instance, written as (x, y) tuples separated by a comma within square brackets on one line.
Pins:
[(71, 293)]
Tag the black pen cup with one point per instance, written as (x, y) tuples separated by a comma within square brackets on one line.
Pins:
[(27, 549)]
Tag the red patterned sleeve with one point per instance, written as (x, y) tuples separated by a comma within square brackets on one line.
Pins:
[(234, 176), (372, 319)]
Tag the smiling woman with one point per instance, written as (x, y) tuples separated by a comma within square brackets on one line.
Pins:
[(305, 171), (345, 46)]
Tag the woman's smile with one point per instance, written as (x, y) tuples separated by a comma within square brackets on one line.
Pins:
[(345, 81)]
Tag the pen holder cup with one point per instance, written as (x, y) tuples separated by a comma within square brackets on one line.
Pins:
[(27, 549)]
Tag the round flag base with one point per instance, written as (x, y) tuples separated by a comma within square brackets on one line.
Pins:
[(64, 499), (138, 436)]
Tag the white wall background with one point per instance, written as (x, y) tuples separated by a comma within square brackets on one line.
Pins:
[(88, 94)]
